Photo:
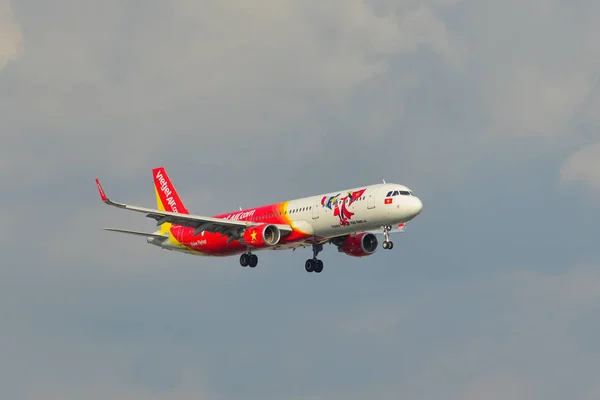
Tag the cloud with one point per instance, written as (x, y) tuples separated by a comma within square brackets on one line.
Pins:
[(583, 167), (214, 82), (213, 85), (529, 101), (172, 335), (499, 387), (534, 63), (188, 389), (10, 34)]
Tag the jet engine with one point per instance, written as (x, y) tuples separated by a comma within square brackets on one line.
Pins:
[(359, 244), (262, 236)]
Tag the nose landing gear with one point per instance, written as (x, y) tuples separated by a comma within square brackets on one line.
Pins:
[(387, 244)]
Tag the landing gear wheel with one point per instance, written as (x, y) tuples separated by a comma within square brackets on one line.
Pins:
[(318, 266), (244, 260), (253, 262), (387, 244), (314, 264), (310, 265)]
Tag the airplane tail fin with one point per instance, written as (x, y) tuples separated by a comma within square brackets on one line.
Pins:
[(167, 198)]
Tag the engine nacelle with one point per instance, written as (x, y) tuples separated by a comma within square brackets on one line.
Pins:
[(262, 236), (359, 244)]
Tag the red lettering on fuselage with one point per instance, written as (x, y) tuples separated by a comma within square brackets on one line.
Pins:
[(241, 216)]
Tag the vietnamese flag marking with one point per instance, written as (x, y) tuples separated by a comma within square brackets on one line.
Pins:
[(388, 200)]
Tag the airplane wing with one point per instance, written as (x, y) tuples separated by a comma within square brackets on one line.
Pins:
[(232, 228)]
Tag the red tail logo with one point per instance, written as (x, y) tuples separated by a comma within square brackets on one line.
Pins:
[(167, 193)]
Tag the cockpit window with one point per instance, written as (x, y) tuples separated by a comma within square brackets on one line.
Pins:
[(398, 193)]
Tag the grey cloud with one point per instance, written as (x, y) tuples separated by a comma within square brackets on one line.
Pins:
[(10, 34), (502, 332), (583, 167), (196, 77), (189, 388), (151, 82), (535, 62), (529, 101)]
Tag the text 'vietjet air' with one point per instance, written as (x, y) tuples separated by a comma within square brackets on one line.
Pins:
[(348, 219)]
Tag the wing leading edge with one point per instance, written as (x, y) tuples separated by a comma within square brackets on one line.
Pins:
[(232, 228)]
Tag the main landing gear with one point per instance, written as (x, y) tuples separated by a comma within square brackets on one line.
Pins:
[(314, 264), (387, 244), (249, 260)]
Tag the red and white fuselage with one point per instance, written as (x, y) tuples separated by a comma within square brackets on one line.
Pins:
[(343, 218)]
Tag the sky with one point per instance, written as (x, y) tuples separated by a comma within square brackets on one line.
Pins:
[(488, 110)]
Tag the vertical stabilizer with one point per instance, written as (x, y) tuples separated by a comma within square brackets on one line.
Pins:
[(167, 198)]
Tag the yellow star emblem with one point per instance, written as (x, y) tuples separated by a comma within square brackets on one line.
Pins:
[(253, 235)]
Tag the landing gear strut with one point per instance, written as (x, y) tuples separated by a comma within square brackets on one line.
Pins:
[(314, 264), (387, 244), (249, 260)]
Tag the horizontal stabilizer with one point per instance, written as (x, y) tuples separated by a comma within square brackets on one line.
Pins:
[(144, 234)]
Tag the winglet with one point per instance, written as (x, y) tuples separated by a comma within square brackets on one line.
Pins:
[(101, 191)]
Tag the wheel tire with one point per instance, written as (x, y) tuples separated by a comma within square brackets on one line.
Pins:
[(318, 266), (385, 245), (244, 260), (309, 265), (253, 262), (391, 246)]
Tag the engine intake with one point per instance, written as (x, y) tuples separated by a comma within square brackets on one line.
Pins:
[(262, 236), (359, 244)]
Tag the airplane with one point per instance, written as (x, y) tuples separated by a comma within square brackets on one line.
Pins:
[(348, 219)]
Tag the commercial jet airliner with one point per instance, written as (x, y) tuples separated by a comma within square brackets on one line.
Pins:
[(348, 219)]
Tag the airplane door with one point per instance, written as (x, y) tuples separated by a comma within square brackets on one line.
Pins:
[(315, 208), (371, 198)]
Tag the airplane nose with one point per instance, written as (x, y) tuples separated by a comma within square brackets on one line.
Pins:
[(418, 206)]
